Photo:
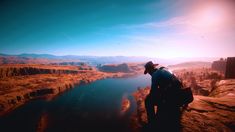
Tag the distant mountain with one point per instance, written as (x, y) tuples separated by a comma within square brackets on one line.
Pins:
[(32, 59), (92, 60), (195, 64), (96, 60), (46, 56), (4, 55)]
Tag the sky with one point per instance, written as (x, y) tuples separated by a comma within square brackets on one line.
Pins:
[(152, 28)]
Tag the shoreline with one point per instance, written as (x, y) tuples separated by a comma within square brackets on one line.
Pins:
[(13, 101)]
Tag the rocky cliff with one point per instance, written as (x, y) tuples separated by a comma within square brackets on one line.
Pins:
[(25, 69), (230, 68), (12, 71), (219, 65), (20, 83), (115, 68), (208, 114), (17, 90)]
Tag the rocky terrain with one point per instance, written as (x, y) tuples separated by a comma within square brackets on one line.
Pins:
[(33, 69), (213, 112), (201, 80), (20, 83), (219, 65)]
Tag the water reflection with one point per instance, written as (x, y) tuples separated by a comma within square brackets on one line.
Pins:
[(88, 107)]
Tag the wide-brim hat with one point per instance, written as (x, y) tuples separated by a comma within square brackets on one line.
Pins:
[(149, 65)]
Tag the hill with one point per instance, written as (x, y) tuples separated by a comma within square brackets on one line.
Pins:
[(115, 68), (195, 64)]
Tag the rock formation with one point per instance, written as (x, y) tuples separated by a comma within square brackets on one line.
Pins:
[(215, 112), (115, 68), (219, 65), (22, 71), (230, 68), (207, 114), (20, 83)]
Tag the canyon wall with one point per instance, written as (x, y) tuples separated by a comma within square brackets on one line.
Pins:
[(21, 71), (115, 68), (219, 65), (230, 68)]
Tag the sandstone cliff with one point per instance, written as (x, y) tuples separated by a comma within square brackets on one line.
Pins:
[(115, 68), (219, 65), (230, 68), (209, 114), (213, 108), (20, 83), (12, 71), (135, 68)]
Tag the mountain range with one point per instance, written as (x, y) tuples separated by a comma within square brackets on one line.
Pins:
[(94, 60)]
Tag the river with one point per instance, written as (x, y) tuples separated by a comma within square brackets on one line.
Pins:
[(89, 107)]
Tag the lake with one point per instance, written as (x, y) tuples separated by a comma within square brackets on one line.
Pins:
[(94, 106)]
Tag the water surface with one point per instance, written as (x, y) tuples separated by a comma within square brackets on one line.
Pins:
[(84, 108)]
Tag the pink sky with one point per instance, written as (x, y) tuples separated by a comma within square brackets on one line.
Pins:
[(204, 28)]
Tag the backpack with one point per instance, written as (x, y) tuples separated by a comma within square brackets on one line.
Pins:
[(181, 96), (184, 96)]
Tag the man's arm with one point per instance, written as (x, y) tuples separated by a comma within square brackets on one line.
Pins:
[(154, 84)]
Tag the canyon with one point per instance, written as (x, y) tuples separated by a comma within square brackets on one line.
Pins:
[(20, 83)]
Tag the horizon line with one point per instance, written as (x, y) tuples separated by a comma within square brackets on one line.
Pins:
[(109, 55)]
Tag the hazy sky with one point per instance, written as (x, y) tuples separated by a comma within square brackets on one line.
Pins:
[(154, 28)]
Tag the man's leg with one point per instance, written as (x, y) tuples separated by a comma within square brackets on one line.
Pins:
[(149, 106), (175, 115)]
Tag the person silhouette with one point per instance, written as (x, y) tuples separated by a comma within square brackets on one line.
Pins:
[(163, 94)]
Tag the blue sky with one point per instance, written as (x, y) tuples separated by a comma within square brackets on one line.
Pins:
[(153, 28)]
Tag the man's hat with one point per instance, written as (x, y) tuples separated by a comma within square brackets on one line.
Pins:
[(149, 65)]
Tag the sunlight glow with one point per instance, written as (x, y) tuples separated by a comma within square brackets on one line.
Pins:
[(210, 17)]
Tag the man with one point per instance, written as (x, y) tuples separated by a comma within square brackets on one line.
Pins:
[(163, 95)]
